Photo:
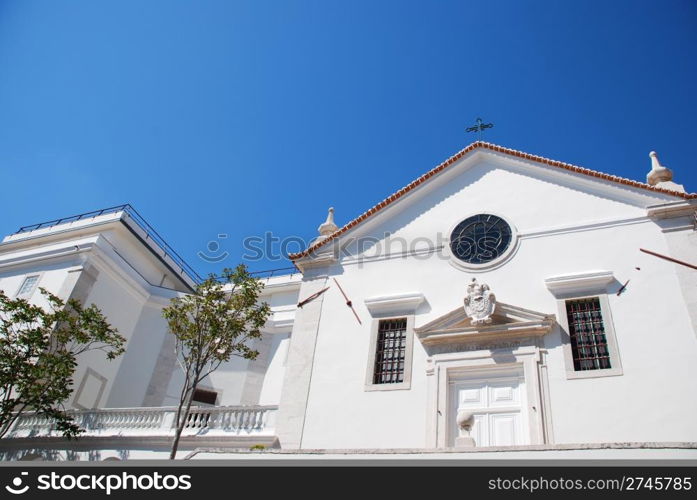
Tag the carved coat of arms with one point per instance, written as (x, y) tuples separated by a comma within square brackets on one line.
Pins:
[(480, 303)]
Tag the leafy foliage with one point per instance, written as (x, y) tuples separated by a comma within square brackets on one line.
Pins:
[(38, 355), (220, 320)]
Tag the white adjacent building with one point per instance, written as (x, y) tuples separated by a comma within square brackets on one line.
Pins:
[(498, 306)]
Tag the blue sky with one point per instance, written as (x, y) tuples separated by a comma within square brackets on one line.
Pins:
[(241, 117)]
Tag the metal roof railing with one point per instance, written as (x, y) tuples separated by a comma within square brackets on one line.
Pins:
[(153, 235), (133, 214), (72, 218)]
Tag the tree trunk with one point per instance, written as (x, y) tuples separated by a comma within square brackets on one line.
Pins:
[(181, 422)]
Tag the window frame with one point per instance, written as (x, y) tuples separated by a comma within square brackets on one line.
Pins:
[(405, 384), (28, 295), (612, 346)]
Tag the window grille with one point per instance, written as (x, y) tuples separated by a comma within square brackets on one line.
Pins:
[(587, 332), (390, 351)]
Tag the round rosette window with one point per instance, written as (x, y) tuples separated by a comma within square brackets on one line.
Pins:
[(481, 239)]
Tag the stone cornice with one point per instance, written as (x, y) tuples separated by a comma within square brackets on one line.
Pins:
[(584, 282), (70, 249), (284, 325), (312, 261), (401, 303), (673, 209)]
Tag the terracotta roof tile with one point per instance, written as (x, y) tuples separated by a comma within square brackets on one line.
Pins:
[(498, 149)]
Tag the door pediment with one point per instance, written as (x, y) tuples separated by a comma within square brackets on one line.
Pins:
[(506, 322)]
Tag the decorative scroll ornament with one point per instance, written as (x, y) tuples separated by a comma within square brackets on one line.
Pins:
[(480, 303)]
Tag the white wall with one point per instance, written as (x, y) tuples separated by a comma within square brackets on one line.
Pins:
[(652, 401), (122, 308), (138, 362), (275, 372), (52, 277)]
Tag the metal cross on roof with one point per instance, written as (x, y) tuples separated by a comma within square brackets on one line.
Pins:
[(479, 127)]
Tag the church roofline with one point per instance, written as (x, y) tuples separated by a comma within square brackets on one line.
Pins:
[(459, 155)]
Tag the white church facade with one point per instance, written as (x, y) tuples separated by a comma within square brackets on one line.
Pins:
[(500, 304)]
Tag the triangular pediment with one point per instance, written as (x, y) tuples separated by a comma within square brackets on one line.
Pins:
[(507, 321), (475, 159)]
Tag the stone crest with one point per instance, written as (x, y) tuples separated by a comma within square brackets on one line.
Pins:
[(480, 303)]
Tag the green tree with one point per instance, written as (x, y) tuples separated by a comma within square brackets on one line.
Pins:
[(38, 355), (211, 325)]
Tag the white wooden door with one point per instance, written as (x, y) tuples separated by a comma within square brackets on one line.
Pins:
[(497, 405)]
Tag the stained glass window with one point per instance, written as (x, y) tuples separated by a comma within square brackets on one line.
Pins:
[(480, 239)]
